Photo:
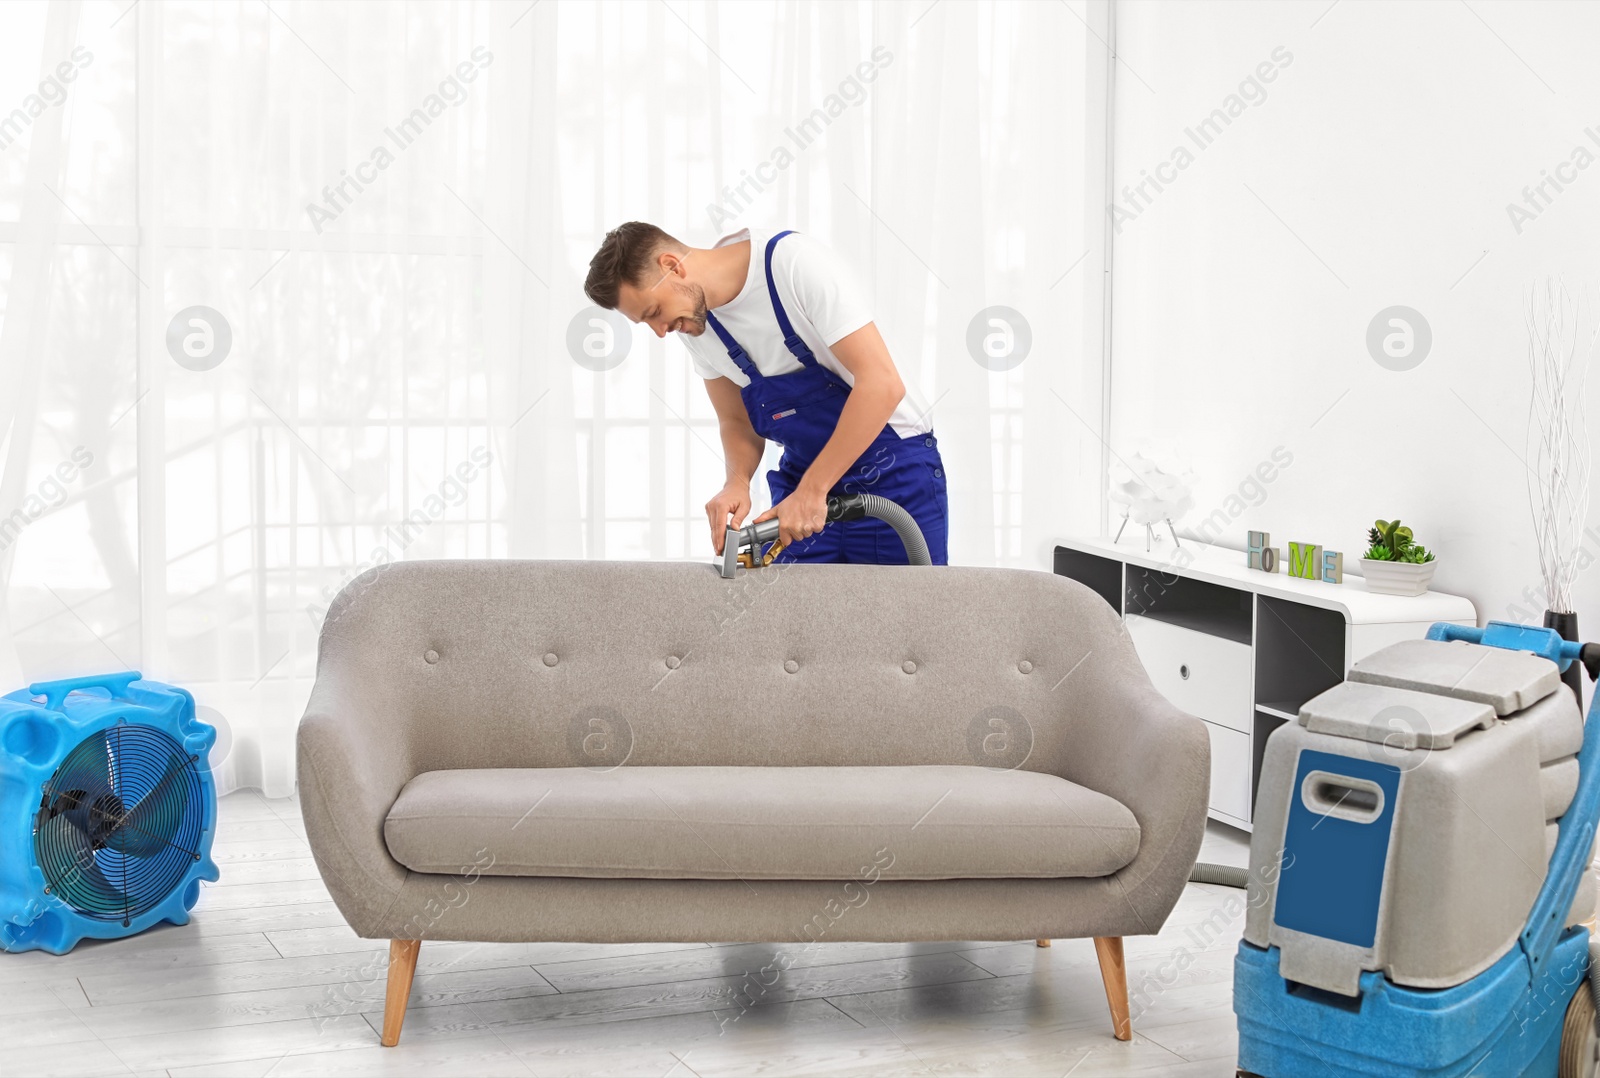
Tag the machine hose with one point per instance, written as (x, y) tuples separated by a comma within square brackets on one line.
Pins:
[(1227, 876), (903, 523), (1594, 976)]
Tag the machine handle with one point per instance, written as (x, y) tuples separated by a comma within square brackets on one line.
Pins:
[(1589, 655), (54, 692), (1449, 630), (1343, 797), (1545, 643)]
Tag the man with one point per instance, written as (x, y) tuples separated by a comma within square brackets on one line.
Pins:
[(793, 358)]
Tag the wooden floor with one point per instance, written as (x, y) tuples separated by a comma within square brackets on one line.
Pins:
[(267, 980)]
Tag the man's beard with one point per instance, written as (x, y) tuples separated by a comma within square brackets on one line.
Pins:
[(694, 324)]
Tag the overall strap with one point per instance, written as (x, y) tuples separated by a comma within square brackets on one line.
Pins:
[(735, 352), (791, 339)]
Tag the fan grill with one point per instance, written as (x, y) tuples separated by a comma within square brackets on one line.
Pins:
[(120, 823)]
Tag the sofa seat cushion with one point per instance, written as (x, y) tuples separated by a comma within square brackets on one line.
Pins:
[(769, 823)]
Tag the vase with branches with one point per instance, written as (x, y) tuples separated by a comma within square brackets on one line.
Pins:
[(1558, 449)]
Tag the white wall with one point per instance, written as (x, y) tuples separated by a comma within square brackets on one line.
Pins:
[(1376, 171)]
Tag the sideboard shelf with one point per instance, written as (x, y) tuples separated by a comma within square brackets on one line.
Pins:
[(1239, 648)]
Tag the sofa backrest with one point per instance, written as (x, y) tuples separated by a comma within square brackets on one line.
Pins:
[(596, 663)]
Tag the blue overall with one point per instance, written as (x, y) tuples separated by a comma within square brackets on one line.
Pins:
[(800, 411)]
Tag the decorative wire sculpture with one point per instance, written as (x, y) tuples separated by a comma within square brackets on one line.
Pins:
[(1558, 458), (1150, 495)]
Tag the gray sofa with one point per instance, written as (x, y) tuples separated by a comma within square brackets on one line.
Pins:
[(613, 752)]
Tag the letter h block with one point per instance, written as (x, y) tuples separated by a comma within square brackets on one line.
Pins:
[(1260, 555)]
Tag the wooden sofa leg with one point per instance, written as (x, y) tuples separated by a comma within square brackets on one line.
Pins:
[(1041, 943), (402, 966), (1115, 975)]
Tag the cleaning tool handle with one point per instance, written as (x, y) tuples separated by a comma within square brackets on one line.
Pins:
[(54, 692), (847, 507)]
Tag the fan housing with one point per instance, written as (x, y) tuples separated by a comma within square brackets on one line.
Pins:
[(107, 810)]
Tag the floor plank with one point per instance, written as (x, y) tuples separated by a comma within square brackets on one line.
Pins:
[(150, 954), (277, 849), (241, 806), (266, 829), (229, 1044), (207, 919), (336, 939), (126, 987), (482, 1055), (313, 1001), (270, 893), (265, 871)]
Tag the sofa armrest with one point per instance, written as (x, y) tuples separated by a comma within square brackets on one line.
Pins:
[(354, 756), (1129, 742)]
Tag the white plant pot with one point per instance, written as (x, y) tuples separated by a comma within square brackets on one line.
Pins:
[(1397, 577)]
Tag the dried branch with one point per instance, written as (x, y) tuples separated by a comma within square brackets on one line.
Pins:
[(1558, 435)]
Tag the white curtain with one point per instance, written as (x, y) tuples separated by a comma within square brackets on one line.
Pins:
[(291, 288)]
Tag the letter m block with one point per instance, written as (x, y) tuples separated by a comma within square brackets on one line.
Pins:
[(1305, 560)]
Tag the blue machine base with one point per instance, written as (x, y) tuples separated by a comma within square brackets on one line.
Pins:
[(1502, 1022)]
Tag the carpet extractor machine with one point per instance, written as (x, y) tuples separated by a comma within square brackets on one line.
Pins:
[(1420, 891)]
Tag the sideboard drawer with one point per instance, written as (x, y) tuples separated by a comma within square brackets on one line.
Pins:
[(1205, 675), (1230, 772)]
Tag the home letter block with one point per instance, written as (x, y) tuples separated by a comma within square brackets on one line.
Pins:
[(1256, 551), (1333, 566), (1305, 560)]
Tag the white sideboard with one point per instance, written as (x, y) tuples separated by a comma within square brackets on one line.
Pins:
[(1240, 648)]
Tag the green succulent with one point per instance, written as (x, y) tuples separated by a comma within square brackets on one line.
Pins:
[(1388, 540)]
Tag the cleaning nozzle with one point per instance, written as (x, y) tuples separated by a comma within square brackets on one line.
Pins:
[(741, 547)]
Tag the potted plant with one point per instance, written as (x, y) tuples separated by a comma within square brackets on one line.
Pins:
[(1395, 563)]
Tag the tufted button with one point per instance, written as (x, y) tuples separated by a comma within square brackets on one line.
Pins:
[(672, 662), (790, 666), (430, 656), (909, 667), (1025, 666), (550, 658)]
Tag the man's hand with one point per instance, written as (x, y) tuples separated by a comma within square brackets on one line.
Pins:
[(800, 515), (727, 509)]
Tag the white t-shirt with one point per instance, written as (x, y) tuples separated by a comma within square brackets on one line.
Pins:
[(824, 305)]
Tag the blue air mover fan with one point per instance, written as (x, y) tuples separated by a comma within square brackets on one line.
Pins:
[(107, 810)]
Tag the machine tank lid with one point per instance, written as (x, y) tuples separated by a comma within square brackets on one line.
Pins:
[(1508, 681), (1399, 720)]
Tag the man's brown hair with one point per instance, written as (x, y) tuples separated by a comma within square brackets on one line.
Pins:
[(627, 254)]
